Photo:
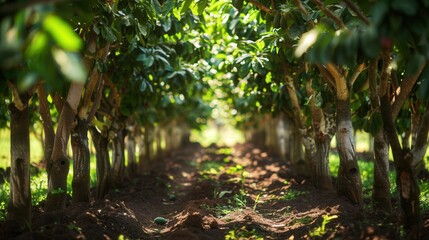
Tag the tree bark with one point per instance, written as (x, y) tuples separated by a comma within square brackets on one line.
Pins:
[(322, 140), (349, 181), (148, 139), (19, 208), (406, 180), (48, 127), (58, 171), (118, 158), (323, 127), (81, 162), (130, 143), (101, 142), (381, 185)]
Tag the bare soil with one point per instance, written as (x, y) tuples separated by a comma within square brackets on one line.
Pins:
[(214, 193)]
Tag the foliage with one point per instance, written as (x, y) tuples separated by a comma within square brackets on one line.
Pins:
[(291, 194), (321, 230), (244, 233)]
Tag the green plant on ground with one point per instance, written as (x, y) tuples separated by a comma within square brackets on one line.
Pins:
[(39, 188), (235, 202), (226, 151), (321, 230), (244, 233), (424, 196), (291, 194)]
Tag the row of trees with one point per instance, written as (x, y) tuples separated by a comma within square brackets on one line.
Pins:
[(140, 67), (327, 69), (115, 69)]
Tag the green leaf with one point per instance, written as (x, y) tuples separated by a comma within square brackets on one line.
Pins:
[(244, 70), (147, 60), (369, 43), (186, 5), (414, 64), (166, 25), (70, 65), (142, 29), (108, 34), (407, 7), (38, 44), (202, 4), (168, 6), (28, 80), (318, 100), (274, 87), (157, 6), (62, 33)]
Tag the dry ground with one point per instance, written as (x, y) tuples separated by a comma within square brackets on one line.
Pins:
[(213, 193)]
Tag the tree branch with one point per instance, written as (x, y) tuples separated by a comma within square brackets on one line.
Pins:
[(356, 73), (261, 6), (16, 96), (404, 90), (385, 73), (329, 13), (355, 8), (340, 82), (327, 76)]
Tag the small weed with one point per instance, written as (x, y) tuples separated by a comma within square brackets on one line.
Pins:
[(243, 233), (74, 227), (424, 196), (256, 202), (320, 231), (291, 194), (235, 202), (226, 151)]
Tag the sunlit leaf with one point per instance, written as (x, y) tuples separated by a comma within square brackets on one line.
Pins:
[(185, 6), (70, 64), (28, 80), (306, 41), (62, 33), (38, 44)]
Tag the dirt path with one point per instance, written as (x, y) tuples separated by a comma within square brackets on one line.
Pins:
[(213, 193)]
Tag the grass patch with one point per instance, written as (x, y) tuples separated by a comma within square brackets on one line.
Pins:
[(366, 169), (292, 194), (39, 187)]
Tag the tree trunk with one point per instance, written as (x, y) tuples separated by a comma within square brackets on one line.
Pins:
[(81, 162), (19, 208), (102, 161), (381, 185), (60, 163), (323, 130), (349, 181), (148, 139), (322, 140), (118, 158), (131, 150), (48, 127), (406, 181)]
